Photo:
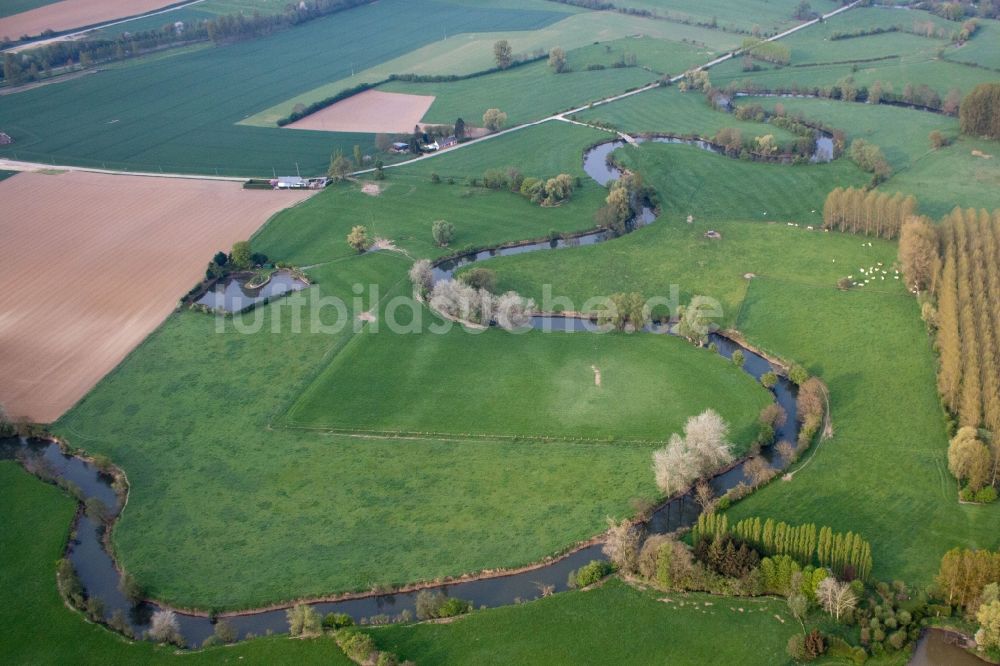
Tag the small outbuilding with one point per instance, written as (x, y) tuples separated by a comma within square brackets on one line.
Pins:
[(713, 234), (291, 183)]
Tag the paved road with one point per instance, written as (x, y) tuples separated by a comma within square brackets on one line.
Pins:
[(12, 165)]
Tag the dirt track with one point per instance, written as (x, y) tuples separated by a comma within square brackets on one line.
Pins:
[(94, 263), (370, 111), (70, 14)]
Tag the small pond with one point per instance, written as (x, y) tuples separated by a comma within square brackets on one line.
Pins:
[(231, 294)]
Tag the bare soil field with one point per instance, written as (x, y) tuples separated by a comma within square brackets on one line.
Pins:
[(371, 111), (69, 14), (95, 263)]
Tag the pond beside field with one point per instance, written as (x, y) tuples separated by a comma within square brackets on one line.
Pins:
[(232, 294)]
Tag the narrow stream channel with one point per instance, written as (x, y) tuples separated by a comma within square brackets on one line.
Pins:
[(100, 577)]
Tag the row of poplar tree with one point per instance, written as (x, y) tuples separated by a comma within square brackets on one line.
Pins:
[(870, 212), (846, 554)]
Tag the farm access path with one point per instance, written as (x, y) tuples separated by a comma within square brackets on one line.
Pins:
[(15, 165)]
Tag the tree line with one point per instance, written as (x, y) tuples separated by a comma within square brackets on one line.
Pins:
[(36, 63), (954, 268), (980, 112), (868, 212), (847, 554)]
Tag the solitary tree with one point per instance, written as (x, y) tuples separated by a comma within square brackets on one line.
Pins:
[(969, 458), (937, 139), (358, 158), (557, 60), (383, 142), (241, 255), (494, 119), (697, 317), (358, 239), (503, 53), (164, 628), (459, 129), (340, 167), (443, 232)]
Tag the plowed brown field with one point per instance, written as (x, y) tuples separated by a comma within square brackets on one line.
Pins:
[(94, 263), (70, 14), (371, 111)]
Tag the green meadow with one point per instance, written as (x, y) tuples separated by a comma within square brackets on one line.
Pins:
[(614, 623), (884, 473), (193, 414), (894, 58), (940, 179), (36, 627), (551, 92), (669, 111)]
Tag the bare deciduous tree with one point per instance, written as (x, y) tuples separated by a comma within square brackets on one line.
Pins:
[(835, 597), (422, 276), (622, 544)]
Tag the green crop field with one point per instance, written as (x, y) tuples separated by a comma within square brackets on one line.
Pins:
[(669, 111), (473, 52), (612, 624), (940, 179), (166, 113), (37, 628), (551, 92), (770, 16)]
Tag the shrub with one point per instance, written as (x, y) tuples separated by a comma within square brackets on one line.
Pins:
[(356, 645), (773, 415), (798, 375), (738, 358), (987, 495), (589, 574), (769, 379), (164, 628), (225, 632), (435, 178), (303, 620), (796, 647), (814, 645), (131, 588), (443, 232), (434, 604), (337, 620), (480, 278)]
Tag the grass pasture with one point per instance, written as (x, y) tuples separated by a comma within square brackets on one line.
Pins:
[(884, 474), (536, 385), (669, 111), (37, 628), (550, 92), (902, 57), (166, 113), (981, 49), (409, 203), (940, 179), (188, 414), (614, 623)]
